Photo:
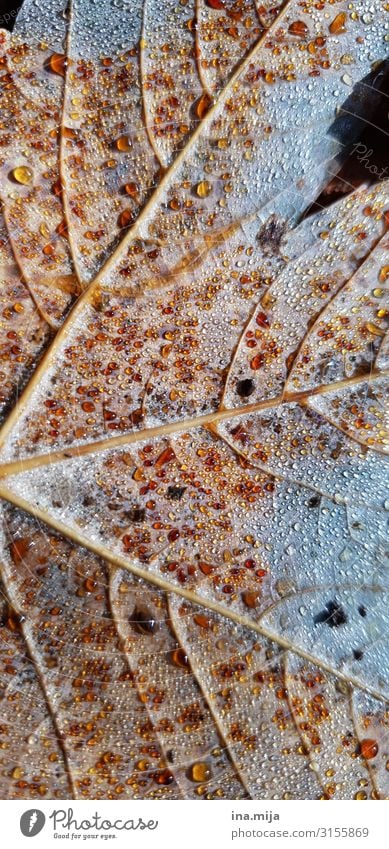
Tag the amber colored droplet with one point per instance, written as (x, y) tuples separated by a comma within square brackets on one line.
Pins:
[(48, 250), (57, 188), (143, 765), (18, 772), (62, 229), (203, 189), (262, 320), (125, 218), (215, 4), (180, 659), (360, 795), (298, 28), (199, 771), (201, 620), (164, 777), (12, 620), (69, 133), (18, 549), (22, 175), (384, 273), (203, 105), (56, 63), (257, 362), (368, 748), (142, 621), (337, 25), (166, 455), (250, 599), (205, 568), (374, 330), (89, 585), (131, 189), (123, 144)]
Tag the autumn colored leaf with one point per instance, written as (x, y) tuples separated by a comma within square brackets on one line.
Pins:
[(194, 370)]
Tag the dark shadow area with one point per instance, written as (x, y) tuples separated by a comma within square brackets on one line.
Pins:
[(363, 125), (8, 13)]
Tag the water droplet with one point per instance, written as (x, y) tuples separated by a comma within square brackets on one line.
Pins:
[(337, 25), (368, 748), (22, 175), (143, 622), (180, 659), (199, 771), (203, 189), (298, 28), (56, 63)]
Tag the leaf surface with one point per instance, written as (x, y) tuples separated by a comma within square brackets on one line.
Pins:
[(194, 597)]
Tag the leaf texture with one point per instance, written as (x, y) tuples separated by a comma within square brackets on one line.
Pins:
[(193, 484)]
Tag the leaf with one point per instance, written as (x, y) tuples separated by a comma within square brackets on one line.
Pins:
[(194, 516)]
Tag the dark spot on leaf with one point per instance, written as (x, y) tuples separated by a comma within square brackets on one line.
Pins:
[(314, 501), (358, 654), (142, 621), (136, 514), (245, 387), (362, 610), (175, 492), (332, 615), (270, 235)]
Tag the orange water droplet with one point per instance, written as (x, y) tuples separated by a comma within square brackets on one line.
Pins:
[(206, 568), (123, 144), (57, 188), (215, 4), (131, 189), (22, 175), (368, 748), (262, 320), (62, 229), (199, 771), (202, 106), (166, 455), (89, 585), (384, 273), (337, 25), (298, 28), (374, 330), (257, 362), (250, 599), (69, 133), (163, 777), (203, 189), (201, 621), (18, 549), (180, 659), (125, 218), (57, 63)]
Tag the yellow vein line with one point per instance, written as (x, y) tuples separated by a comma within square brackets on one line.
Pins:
[(180, 426), (117, 560)]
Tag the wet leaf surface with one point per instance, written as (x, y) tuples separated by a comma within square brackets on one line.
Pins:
[(194, 592)]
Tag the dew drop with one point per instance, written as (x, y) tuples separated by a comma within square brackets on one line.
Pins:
[(22, 175), (199, 771)]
